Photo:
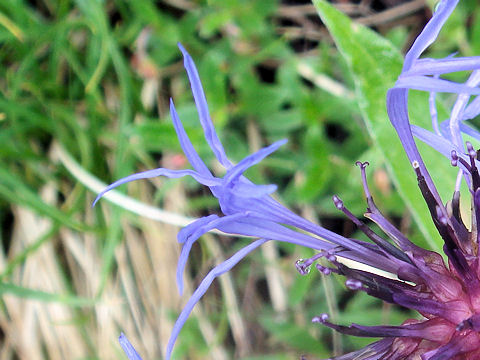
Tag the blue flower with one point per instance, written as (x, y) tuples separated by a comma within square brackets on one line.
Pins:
[(447, 296), (426, 75)]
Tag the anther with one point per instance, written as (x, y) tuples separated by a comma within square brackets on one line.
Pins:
[(320, 319), (370, 203), (332, 258), (323, 269), (302, 267), (362, 165), (338, 202), (353, 284), (471, 150), (454, 158), (473, 169)]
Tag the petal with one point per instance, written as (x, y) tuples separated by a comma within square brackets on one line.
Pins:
[(398, 113), (440, 144), (249, 190), (196, 230), (128, 348), (464, 128), (256, 225), (183, 236), (472, 110), (186, 145), (186, 232), (270, 210), (205, 180), (427, 66), (203, 287), (427, 83), (253, 225), (235, 172), (392, 232), (430, 32), (202, 107)]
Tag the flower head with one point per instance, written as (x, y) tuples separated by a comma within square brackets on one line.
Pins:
[(446, 295)]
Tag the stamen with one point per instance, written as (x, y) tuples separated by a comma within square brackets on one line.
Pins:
[(426, 193), (332, 258), (303, 265), (387, 247), (368, 195), (353, 284), (473, 170), (324, 269), (465, 164), (338, 202), (454, 158), (320, 319), (471, 150)]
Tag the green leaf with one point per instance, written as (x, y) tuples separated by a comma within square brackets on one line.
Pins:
[(375, 65)]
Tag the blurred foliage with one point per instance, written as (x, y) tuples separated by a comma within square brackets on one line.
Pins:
[(95, 77)]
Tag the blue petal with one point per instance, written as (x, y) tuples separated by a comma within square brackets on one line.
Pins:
[(202, 107), (183, 236), (128, 348), (470, 131), (439, 143), (472, 110), (235, 172), (427, 66), (203, 287), (185, 232), (398, 114), (201, 227), (186, 145), (248, 191), (205, 180), (426, 83), (430, 32), (252, 225), (257, 226)]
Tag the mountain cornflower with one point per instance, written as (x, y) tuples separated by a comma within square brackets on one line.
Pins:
[(447, 296)]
